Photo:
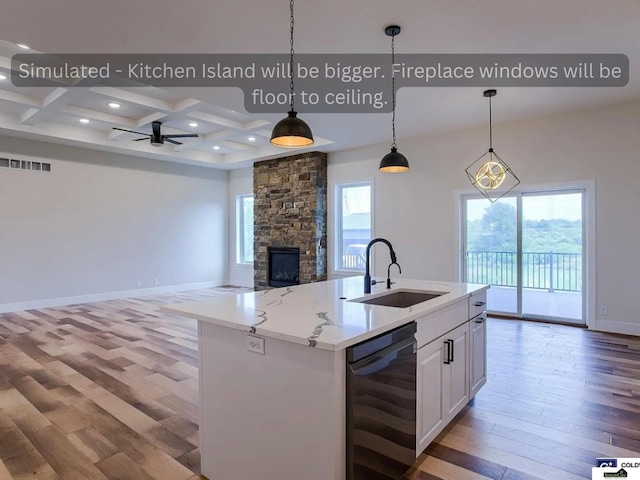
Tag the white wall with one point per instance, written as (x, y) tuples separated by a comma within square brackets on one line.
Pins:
[(416, 210), (99, 222), (240, 183)]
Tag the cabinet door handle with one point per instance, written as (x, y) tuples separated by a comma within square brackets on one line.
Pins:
[(452, 349), (480, 304), (481, 320), (447, 360)]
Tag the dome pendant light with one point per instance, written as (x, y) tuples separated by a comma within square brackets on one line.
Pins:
[(489, 174), (291, 132), (393, 161)]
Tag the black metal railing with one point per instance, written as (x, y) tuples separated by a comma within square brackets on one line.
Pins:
[(540, 270)]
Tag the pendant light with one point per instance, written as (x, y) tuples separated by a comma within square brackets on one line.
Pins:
[(394, 161), (291, 132), (489, 174)]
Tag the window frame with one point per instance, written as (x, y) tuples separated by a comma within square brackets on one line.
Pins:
[(240, 233), (338, 223), (588, 234)]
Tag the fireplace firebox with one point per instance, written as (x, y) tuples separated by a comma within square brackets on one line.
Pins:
[(284, 266)]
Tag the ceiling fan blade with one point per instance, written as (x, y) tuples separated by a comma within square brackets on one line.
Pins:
[(182, 135), (172, 141), (140, 139), (131, 131), (156, 128)]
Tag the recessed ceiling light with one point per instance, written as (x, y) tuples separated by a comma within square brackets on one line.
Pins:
[(216, 147), (252, 139), (114, 105), (3, 77), (193, 124), (22, 45), (84, 120)]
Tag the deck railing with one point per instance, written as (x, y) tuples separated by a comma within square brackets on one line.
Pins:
[(540, 270), (352, 262)]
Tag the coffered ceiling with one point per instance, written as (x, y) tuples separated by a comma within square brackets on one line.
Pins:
[(85, 116), (261, 26)]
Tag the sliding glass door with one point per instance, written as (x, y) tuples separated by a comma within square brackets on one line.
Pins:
[(491, 250), (552, 255), (529, 247)]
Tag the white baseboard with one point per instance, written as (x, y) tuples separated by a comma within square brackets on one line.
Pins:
[(612, 326), (101, 297)]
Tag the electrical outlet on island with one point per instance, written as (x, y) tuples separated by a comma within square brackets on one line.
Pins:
[(255, 344)]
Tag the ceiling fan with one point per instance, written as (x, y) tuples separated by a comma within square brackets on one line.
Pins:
[(157, 139)]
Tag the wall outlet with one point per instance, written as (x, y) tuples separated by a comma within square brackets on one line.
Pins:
[(138, 283), (604, 310), (156, 281), (255, 344)]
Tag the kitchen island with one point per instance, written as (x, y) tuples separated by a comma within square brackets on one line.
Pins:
[(272, 371)]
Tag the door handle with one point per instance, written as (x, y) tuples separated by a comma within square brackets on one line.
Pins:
[(480, 304), (452, 349), (448, 358), (481, 320)]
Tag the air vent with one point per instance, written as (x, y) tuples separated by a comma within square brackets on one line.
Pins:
[(15, 164)]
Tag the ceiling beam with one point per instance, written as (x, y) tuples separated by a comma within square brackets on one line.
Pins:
[(152, 117), (217, 120), (238, 146), (187, 104), (51, 105), (256, 124), (20, 99)]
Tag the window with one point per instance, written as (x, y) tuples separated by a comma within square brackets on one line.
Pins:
[(244, 228), (353, 225)]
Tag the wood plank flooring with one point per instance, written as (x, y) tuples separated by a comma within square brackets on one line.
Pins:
[(109, 391), (100, 391)]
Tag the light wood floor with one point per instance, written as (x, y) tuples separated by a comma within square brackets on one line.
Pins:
[(109, 391)]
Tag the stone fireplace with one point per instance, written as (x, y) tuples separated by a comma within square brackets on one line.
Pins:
[(290, 212)]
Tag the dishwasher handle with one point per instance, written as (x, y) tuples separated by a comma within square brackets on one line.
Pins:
[(382, 354), (364, 349)]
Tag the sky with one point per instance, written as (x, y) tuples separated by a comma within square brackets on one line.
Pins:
[(356, 200)]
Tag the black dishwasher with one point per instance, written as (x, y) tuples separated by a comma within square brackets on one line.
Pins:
[(381, 406)]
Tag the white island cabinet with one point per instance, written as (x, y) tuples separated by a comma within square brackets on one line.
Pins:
[(452, 367), (272, 371)]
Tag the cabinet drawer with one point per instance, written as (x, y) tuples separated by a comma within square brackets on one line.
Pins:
[(438, 323), (477, 303)]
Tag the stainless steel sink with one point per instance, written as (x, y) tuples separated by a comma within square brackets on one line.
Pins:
[(401, 298)]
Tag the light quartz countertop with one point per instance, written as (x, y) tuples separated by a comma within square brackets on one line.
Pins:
[(314, 314)]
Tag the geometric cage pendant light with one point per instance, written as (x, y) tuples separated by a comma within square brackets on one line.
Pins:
[(291, 132), (394, 161), (489, 174)]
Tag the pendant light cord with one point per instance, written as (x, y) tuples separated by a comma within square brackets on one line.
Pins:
[(490, 128), (291, 67), (393, 90)]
